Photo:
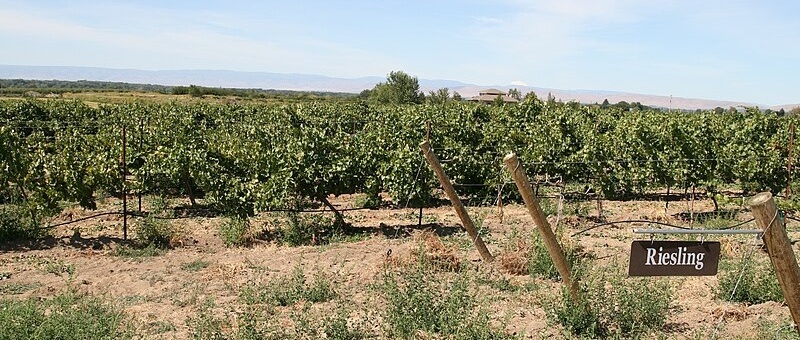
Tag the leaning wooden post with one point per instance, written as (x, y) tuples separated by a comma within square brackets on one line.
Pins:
[(780, 251), (459, 208), (550, 241)]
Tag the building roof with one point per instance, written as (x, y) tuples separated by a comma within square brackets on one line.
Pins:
[(493, 92), (490, 95)]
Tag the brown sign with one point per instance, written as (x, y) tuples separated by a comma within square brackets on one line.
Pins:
[(674, 258)]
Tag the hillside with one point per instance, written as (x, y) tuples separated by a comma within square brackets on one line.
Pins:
[(319, 83)]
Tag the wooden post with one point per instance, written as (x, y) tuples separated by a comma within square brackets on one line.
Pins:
[(780, 251), (550, 241), (459, 208), (428, 132)]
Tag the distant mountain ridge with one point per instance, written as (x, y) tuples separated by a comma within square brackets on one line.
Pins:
[(308, 82)]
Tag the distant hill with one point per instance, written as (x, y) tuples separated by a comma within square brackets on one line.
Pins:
[(319, 83)]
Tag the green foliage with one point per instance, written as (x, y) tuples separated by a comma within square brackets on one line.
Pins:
[(753, 279), (237, 231), (60, 267), (195, 265), (578, 316), (17, 288), (367, 201), (138, 252), (540, 264), (776, 330), (306, 229), (612, 305), (156, 233), (290, 289), (205, 325), (68, 315), (18, 222), (399, 88), (244, 158), (337, 327), (419, 301)]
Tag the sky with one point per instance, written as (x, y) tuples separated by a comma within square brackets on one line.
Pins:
[(734, 50)]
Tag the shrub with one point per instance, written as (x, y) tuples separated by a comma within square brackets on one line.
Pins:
[(154, 232)]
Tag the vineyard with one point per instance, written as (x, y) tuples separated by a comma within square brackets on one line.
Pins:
[(247, 159), (217, 191)]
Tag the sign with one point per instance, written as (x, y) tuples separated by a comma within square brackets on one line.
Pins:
[(674, 258)]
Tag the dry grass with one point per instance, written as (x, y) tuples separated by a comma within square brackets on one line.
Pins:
[(515, 259), (430, 250)]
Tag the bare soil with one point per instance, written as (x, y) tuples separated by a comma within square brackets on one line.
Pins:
[(166, 290)]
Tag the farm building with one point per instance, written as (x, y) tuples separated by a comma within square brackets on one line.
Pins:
[(490, 95)]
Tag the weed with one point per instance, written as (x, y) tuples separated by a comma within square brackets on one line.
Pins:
[(19, 222), (59, 267), (549, 206), (611, 305), (432, 253), (367, 201), (237, 231), (18, 288), (337, 327), (160, 206), (776, 330), (160, 327), (577, 208), (288, 290), (754, 282), (151, 232), (195, 265), (541, 264), (69, 315), (303, 230), (577, 316), (138, 253), (418, 301), (204, 325)]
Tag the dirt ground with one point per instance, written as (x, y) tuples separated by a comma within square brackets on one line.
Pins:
[(161, 292)]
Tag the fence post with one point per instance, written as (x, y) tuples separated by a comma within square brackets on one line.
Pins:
[(780, 251), (550, 241), (457, 206)]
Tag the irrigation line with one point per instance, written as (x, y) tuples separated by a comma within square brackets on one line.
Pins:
[(76, 220), (627, 221), (134, 214), (659, 223)]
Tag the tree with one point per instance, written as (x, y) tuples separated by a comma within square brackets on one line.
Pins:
[(399, 88), (623, 105), (439, 96), (457, 96), (514, 93)]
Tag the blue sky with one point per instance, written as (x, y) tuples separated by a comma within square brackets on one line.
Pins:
[(712, 49)]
